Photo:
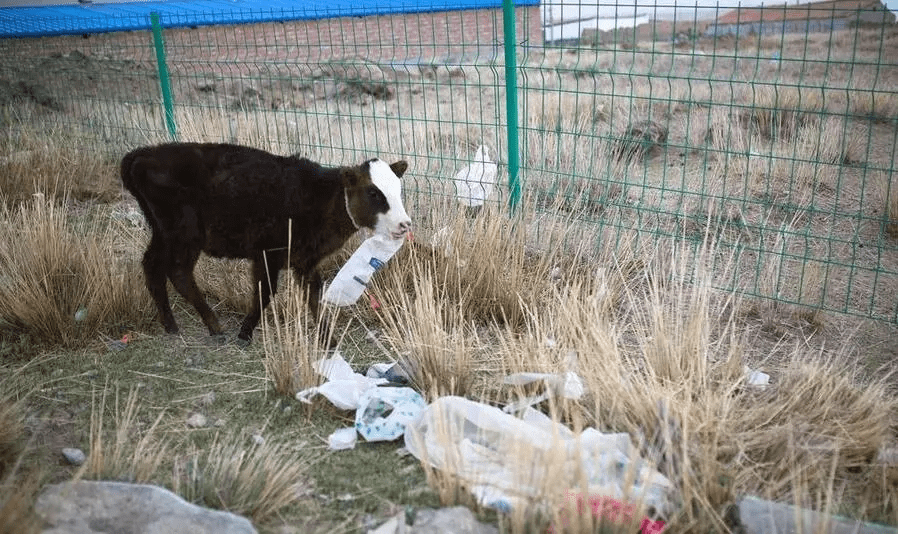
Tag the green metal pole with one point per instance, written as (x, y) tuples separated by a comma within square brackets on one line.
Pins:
[(511, 103), (164, 82)]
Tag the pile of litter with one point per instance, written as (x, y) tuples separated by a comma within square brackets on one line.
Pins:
[(506, 461)]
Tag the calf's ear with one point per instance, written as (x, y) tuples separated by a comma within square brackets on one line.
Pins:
[(399, 167)]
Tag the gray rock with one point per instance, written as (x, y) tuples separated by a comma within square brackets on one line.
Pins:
[(88, 507), (74, 456), (455, 520), (758, 516)]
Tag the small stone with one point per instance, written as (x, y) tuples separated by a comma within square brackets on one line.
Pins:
[(258, 439), (74, 456), (555, 274), (196, 420), (372, 335)]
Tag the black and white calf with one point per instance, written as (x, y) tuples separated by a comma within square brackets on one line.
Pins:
[(236, 202)]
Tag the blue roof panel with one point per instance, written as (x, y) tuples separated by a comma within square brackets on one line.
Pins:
[(101, 18)]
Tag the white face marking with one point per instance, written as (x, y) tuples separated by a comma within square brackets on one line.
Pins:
[(395, 222)]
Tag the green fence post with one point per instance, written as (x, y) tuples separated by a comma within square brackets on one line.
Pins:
[(511, 103), (164, 82)]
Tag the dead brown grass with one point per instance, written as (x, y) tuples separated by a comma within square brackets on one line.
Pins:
[(133, 453), (661, 354), (18, 488), (889, 192), (251, 479), (60, 283), (293, 341), (45, 159), (778, 111)]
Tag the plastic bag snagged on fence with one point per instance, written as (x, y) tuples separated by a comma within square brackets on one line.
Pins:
[(509, 462)]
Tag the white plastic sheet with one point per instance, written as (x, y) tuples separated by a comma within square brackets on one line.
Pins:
[(509, 462)]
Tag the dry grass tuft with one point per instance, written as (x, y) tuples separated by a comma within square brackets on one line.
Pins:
[(17, 489), (874, 105), (255, 480), (133, 454), (483, 288), (661, 354), (819, 417), (643, 138), (429, 332), (17, 495), (778, 111), (291, 343), (60, 283), (889, 191), (47, 160)]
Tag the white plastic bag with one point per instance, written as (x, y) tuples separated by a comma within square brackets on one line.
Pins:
[(382, 413), (344, 386), (509, 462)]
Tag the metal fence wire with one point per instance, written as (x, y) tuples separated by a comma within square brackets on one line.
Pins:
[(777, 126)]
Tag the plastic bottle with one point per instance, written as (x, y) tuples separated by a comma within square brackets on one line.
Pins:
[(353, 277)]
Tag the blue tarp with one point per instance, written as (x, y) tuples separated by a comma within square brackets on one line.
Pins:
[(112, 17)]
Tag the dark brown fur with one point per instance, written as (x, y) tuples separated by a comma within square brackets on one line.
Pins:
[(235, 202)]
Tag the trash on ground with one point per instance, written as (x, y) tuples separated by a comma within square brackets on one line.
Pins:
[(509, 463), (756, 378), (344, 387), (565, 385), (382, 413), (394, 373), (344, 438)]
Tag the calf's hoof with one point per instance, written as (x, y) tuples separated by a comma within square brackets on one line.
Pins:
[(219, 338), (245, 336)]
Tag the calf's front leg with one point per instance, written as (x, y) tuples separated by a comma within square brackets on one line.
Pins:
[(265, 283)]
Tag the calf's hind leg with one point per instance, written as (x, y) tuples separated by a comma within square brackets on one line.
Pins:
[(155, 260), (181, 275), (183, 255)]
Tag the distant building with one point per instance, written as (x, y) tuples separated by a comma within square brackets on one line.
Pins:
[(564, 20), (801, 18)]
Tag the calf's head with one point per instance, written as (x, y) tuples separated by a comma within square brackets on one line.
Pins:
[(373, 194)]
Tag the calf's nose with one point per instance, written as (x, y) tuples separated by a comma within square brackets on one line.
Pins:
[(405, 225)]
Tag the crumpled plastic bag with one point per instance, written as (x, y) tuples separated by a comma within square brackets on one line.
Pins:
[(382, 413), (344, 387), (509, 462)]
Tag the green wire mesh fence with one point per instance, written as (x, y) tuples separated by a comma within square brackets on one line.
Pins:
[(776, 129)]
